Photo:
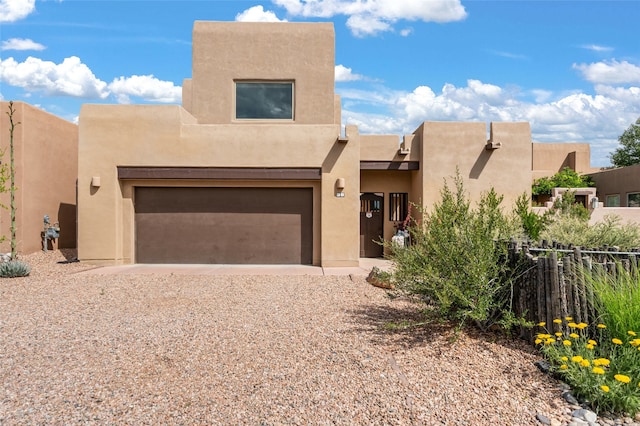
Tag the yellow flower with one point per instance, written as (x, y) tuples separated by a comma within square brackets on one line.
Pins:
[(558, 333), (549, 341), (563, 367), (576, 358), (589, 346), (597, 370), (601, 326), (622, 378), (582, 326), (557, 321), (572, 325), (566, 342), (635, 342), (604, 388), (543, 336), (542, 324), (601, 361), (592, 342), (568, 318), (616, 341), (538, 341), (574, 335), (585, 363), (564, 358), (631, 333)]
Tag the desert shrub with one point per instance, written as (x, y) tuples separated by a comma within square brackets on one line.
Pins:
[(455, 260), (14, 268), (532, 223), (567, 229)]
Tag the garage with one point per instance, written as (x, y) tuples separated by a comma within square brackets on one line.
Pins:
[(204, 225)]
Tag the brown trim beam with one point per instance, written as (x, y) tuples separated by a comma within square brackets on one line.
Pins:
[(389, 165), (218, 173)]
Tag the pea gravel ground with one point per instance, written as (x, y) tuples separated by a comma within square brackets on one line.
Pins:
[(85, 348)]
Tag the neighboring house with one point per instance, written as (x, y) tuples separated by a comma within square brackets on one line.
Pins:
[(550, 158), (46, 169), (618, 189), (254, 167)]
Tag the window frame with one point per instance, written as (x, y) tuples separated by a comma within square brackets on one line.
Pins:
[(629, 194), (398, 206), (610, 197), (264, 82)]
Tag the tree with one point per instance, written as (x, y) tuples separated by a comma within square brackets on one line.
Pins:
[(566, 178), (629, 151)]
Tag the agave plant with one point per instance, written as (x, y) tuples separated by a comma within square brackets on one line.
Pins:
[(14, 268)]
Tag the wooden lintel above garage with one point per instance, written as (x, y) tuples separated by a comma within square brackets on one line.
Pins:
[(218, 173)]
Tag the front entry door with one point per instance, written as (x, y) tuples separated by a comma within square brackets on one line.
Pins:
[(371, 208)]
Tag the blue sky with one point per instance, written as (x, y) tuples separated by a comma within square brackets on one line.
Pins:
[(570, 68)]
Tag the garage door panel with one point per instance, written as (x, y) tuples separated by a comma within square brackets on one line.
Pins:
[(224, 225)]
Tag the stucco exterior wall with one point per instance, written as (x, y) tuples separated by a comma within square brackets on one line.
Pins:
[(550, 158), (224, 52), (620, 181), (45, 152), (448, 146), (166, 136)]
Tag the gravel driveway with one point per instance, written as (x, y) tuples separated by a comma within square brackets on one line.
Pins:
[(197, 349)]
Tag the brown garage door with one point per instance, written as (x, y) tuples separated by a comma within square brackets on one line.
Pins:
[(224, 225)]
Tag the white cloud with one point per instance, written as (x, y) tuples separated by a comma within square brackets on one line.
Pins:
[(597, 48), (146, 87), (14, 10), (370, 17), (257, 14), (345, 74), (69, 78), (610, 72), (74, 79), (576, 117), (21, 44)]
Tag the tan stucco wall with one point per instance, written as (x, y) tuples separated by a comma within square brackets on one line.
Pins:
[(128, 135), (621, 181), (448, 146), (45, 152), (387, 148), (224, 52), (550, 158), (624, 214)]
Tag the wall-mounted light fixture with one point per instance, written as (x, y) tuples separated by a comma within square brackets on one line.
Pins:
[(340, 187), (95, 181)]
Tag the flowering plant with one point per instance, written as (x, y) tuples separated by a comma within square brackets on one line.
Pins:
[(603, 371)]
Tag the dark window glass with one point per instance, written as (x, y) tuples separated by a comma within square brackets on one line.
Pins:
[(264, 101)]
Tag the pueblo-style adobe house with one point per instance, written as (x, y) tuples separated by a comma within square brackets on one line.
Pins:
[(256, 167)]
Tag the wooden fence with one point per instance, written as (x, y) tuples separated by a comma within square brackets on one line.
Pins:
[(551, 282)]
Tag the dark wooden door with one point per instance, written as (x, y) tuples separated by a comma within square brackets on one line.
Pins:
[(371, 227)]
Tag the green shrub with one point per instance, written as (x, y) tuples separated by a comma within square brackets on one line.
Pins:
[(13, 269), (454, 260), (532, 223), (566, 178), (568, 229)]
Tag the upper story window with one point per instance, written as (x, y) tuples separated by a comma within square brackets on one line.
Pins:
[(613, 200), (264, 100)]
